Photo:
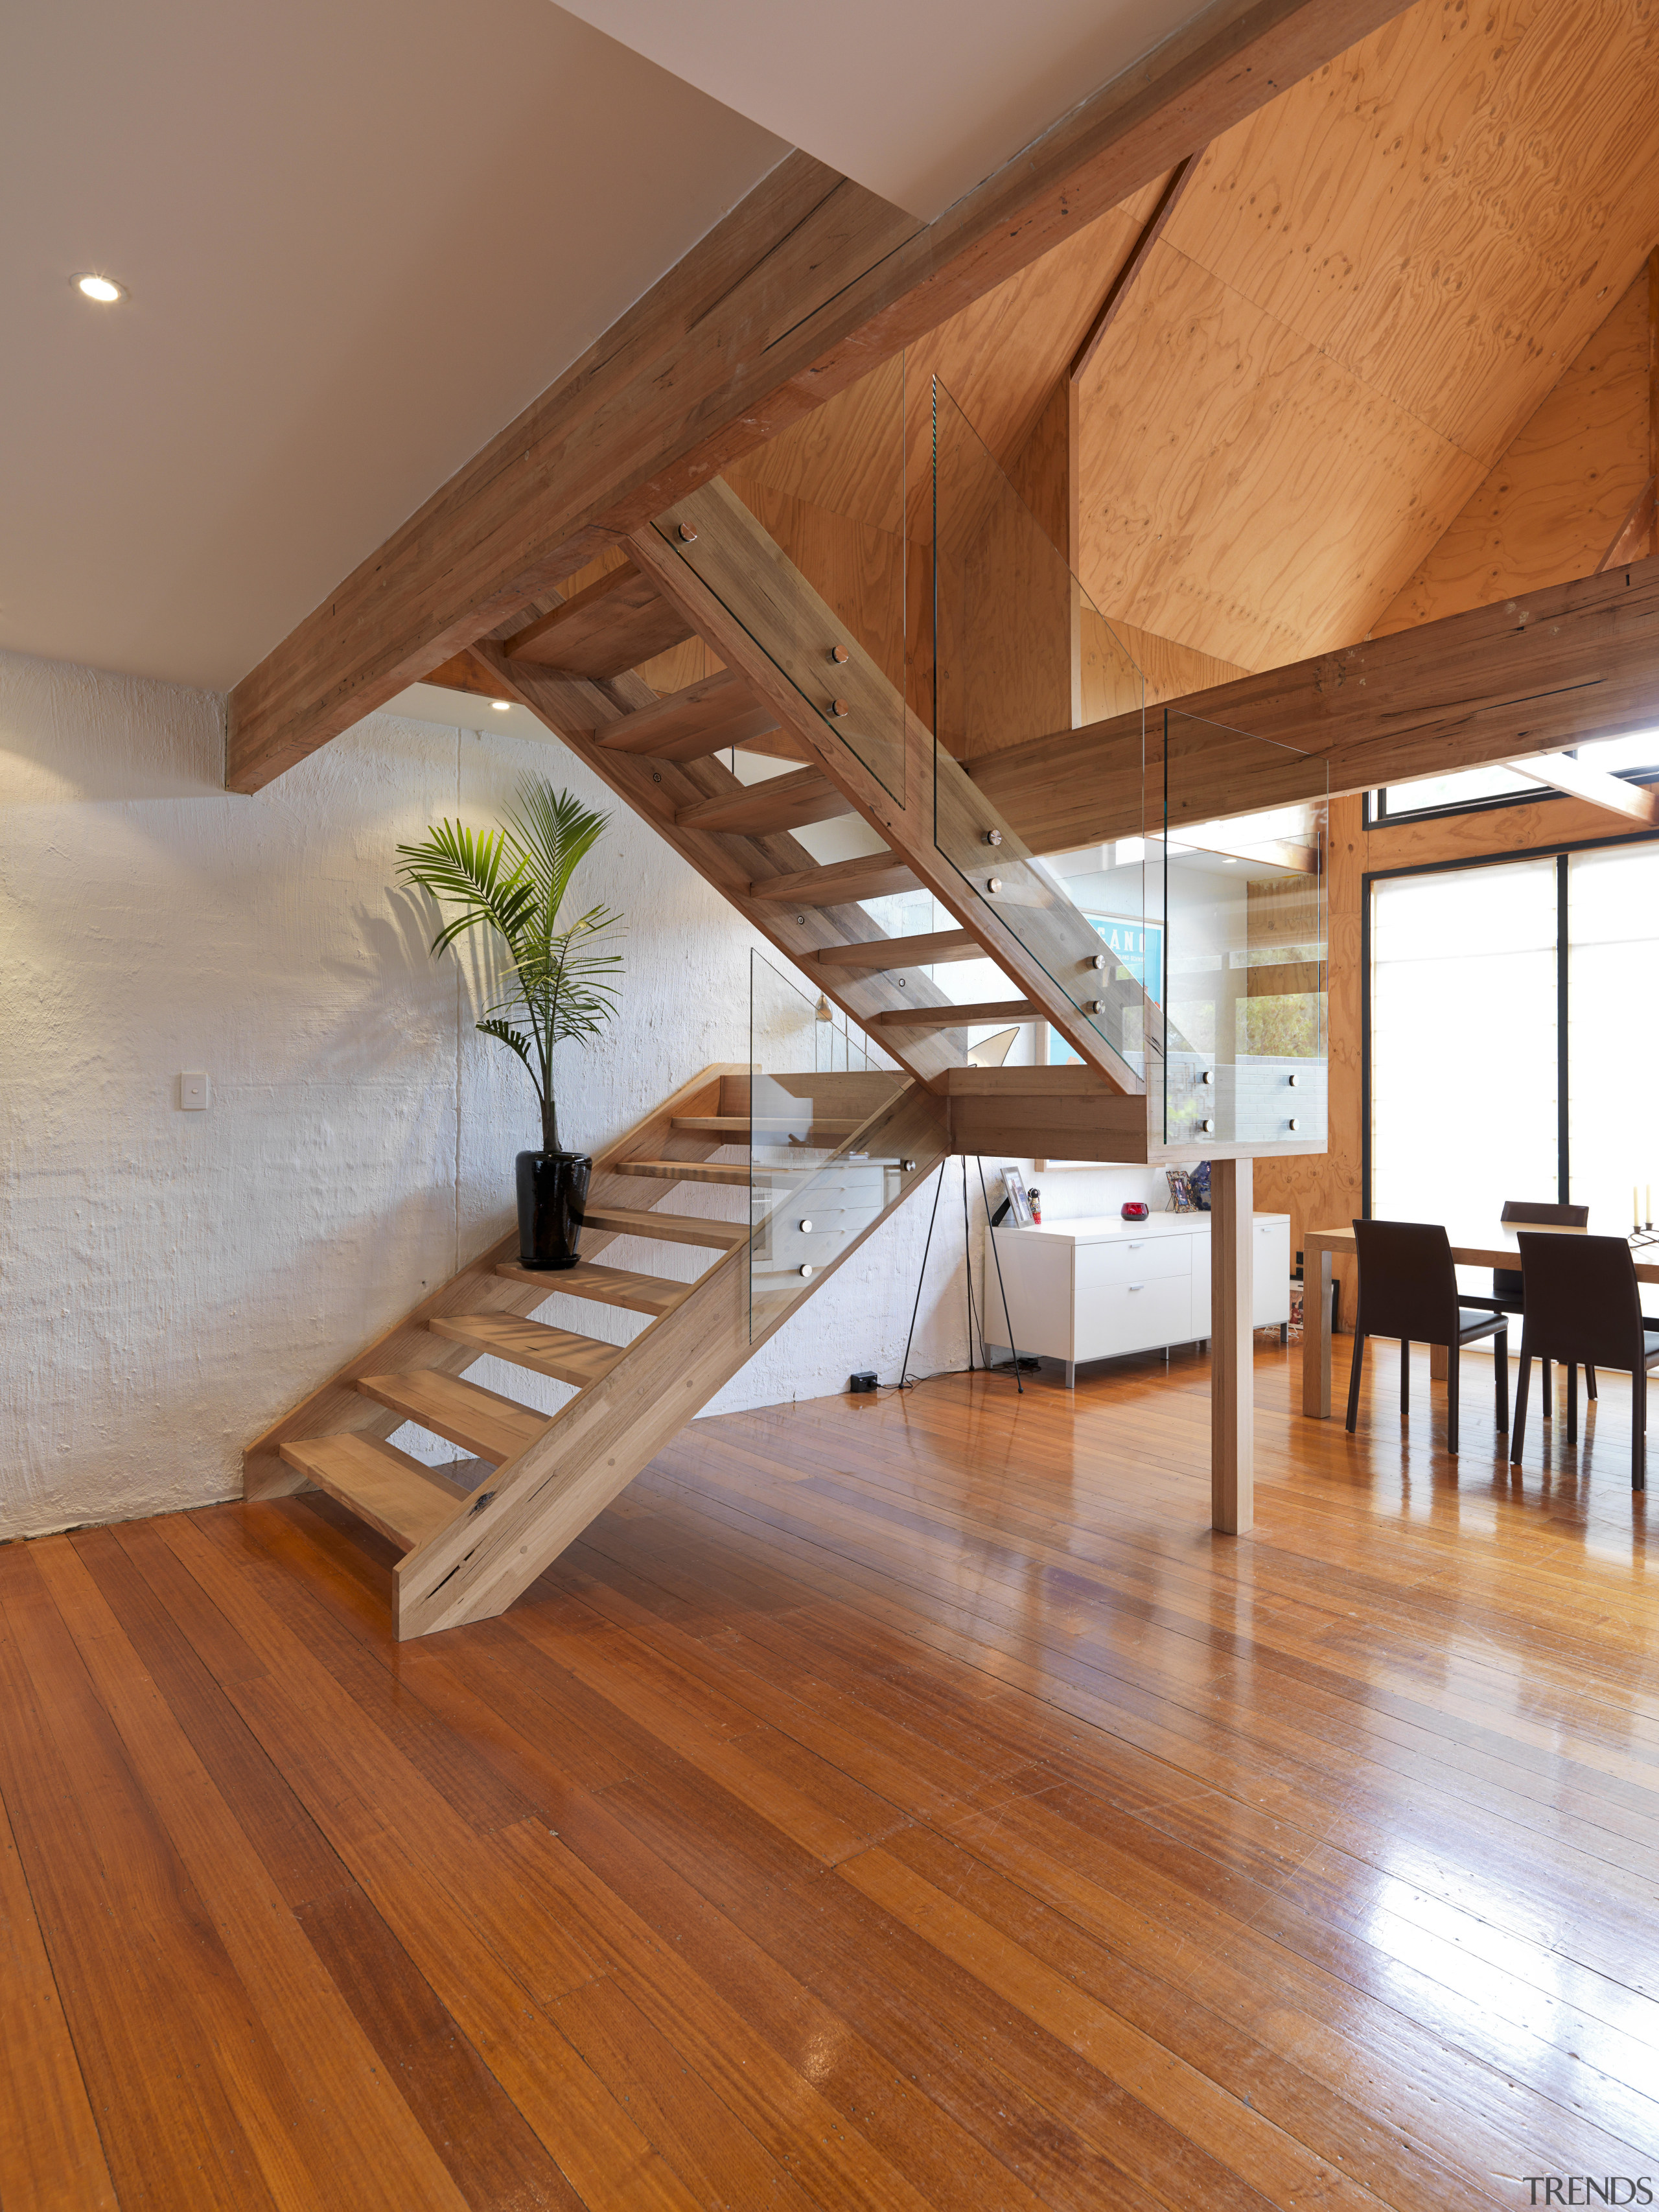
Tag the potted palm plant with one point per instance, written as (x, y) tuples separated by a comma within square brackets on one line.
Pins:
[(511, 882)]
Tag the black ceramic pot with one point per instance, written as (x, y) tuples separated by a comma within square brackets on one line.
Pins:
[(552, 1187)]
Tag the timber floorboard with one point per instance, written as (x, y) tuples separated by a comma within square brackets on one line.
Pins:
[(888, 1803)]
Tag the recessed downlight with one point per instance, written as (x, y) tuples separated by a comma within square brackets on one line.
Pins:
[(104, 290), (501, 705)]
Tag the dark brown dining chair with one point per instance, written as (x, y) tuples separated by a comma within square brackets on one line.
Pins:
[(1408, 1290), (1506, 1295), (1583, 1306)]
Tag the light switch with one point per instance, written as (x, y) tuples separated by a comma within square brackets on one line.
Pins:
[(193, 1092)]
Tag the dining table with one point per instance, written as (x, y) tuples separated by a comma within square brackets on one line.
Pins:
[(1479, 1244)]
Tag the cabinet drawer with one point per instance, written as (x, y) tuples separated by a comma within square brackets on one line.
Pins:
[(1135, 1260), (1138, 1316)]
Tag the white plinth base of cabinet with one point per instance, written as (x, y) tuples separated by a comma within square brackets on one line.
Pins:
[(1099, 1289)]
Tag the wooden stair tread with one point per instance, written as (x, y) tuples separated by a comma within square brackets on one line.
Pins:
[(671, 1228), (882, 953), (739, 1125), (612, 626), (953, 1017), (406, 1501), (707, 717), (736, 1174), (605, 1287), (842, 882), (559, 1352), (781, 802), (717, 1171), (480, 1421)]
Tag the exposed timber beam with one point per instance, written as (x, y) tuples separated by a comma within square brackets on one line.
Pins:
[(1635, 802), (1168, 200), (1531, 675), (807, 285)]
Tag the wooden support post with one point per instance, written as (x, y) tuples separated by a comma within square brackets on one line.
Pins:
[(1315, 1326), (1232, 1370)]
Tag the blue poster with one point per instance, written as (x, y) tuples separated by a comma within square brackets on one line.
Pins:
[(1136, 946)]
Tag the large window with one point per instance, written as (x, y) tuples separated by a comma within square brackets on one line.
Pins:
[(1463, 1041), (1612, 1029), (1514, 1036), (1635, 757)]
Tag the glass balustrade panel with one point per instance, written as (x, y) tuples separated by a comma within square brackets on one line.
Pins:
[(821, 1168), (1236, 897), (1039, 784), (805, 541)]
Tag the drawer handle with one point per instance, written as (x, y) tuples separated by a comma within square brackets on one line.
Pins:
[(1137, 1286), (1137, 1246)]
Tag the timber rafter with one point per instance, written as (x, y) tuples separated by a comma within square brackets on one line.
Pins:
[(808, 284)]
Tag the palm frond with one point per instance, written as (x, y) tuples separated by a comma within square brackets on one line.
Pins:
[(513, 881), (514, 1040), (479, 874), (552, 832)]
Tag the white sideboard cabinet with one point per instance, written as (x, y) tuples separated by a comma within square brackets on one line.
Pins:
[(1097, 1289)]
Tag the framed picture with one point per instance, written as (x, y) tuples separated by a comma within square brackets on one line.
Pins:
[(1013, 1183)]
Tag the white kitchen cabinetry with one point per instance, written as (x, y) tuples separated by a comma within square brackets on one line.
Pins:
[(1098, 1289)]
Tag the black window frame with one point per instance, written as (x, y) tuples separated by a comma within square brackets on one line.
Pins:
[(1561, 854), (1379, 815)]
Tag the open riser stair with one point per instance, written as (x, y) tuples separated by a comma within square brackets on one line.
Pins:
[(791, 680), (476, 1532), (663, 755)]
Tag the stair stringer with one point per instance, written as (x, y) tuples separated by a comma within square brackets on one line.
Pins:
[(337, 1406), (541, 1502), (658, 790), (711, 558)]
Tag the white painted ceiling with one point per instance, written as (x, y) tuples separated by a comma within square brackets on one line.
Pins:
[(360, 235), (917, 99)]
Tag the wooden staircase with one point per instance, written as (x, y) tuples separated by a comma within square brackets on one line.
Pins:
[(476, 1532), (797, 683)]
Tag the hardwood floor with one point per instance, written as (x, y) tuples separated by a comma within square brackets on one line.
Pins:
[(890, 1803)]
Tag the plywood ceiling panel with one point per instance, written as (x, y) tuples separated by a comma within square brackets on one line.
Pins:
[(1299, 207), (1524, 239), (999, 359), (1236, 481), (1368, 292), (1370, 288), (1552, 505)]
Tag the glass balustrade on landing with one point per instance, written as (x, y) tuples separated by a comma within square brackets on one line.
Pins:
[(1042, 821), (1237, 895)]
